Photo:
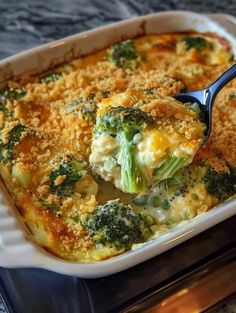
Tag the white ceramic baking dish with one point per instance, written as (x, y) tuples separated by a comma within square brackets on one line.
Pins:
[(16, 249)]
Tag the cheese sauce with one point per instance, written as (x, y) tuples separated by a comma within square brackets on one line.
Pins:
[(46, 127)]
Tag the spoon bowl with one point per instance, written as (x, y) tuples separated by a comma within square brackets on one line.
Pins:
[(206, 97)]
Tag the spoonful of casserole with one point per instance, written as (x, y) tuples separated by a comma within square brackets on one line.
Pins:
[(140, 138)]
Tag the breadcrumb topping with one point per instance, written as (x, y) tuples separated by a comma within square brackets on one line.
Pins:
[(60, 114)]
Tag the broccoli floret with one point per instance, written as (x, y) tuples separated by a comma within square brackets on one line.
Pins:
[(126, 124), (86, 107), (12, 93), (16, 134), (116, 224), (222, 185), (130, 121), (71, 170), (7, 149), (50, 77), (197, 42), (123, 54)]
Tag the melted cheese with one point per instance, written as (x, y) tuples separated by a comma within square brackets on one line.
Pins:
[(163, 67), (153, 147)]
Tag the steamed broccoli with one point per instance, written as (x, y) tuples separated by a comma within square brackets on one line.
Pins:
[(14, 137), (12, 93), (123, 119), (222, 185), (170, 166), (115, 223), (126, 124), (197, 42), (123, 54), (70, 171), (50, 77)]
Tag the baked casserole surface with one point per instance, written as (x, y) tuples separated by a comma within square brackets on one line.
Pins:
[(57, 171)]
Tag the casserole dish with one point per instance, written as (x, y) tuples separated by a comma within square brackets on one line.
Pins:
[(15, 250)]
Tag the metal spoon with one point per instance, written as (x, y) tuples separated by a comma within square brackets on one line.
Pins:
[(205, 97)]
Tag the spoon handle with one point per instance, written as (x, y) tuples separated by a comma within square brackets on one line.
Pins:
[(211, 92), (224, 79)]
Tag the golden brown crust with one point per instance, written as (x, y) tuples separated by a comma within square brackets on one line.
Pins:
[(44, 110)]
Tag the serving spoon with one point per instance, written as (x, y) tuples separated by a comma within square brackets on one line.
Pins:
[(206, 97)]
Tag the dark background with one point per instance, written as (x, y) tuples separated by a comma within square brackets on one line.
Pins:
[(27, 23)]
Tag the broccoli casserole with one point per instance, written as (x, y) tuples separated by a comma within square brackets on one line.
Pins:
[(99, 158)]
